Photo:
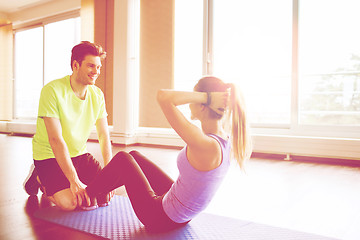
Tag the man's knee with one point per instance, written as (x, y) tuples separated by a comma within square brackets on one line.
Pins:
[(67, 204), (64, 200)]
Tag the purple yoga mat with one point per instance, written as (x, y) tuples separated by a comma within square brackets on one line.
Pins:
[(118, 221)]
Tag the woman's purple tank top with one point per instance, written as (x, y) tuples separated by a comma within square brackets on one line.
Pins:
[(194, 189)]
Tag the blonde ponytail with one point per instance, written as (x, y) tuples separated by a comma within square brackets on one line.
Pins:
[(240, 136)]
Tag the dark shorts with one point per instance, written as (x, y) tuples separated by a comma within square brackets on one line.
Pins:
[(54, 180)]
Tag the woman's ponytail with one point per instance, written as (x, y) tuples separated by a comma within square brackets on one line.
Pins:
[(240, 136)]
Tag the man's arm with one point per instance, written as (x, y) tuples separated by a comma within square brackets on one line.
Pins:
[(102, 129), (61, 152), (104, 139)]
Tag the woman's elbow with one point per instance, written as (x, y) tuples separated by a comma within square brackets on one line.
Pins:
[(162, 95)]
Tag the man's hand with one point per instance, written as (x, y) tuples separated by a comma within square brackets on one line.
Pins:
[(79, 193)]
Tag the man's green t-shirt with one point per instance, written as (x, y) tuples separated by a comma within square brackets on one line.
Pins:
[(77, 117)]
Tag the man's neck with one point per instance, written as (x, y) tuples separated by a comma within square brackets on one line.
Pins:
[(78, 89)]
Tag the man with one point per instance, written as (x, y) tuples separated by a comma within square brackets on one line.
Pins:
[(68, 110)]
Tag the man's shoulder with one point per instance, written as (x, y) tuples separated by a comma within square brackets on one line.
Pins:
[(95, 90), (57, 84)]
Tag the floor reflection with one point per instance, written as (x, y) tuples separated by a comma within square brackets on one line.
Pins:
[(32, 204)]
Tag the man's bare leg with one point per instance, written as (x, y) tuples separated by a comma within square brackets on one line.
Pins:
[(64, 199)]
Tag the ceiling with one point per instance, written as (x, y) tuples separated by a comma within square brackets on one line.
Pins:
[(9, 6)]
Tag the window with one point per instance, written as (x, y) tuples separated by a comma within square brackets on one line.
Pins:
[(329, 62), (252, 47), (188, 43), (188, 46), (28, 72), (297, 62), (41, 54), (60, 38)]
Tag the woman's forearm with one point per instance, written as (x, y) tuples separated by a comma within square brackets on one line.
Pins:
[(180, 97)]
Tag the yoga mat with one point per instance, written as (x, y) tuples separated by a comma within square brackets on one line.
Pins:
[(118, 221)]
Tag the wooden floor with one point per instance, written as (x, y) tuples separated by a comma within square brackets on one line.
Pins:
[(309, 197)]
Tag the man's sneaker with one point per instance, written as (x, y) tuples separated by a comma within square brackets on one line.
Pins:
[(31, 184)]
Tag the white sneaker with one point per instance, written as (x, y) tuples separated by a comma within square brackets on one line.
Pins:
[(31, 184)]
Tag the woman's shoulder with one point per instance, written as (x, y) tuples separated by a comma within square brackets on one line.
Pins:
[(207, 158), (223, 138)]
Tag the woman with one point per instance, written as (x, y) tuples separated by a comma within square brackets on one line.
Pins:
[(158, 201)]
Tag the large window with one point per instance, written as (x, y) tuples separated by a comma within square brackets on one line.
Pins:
[(329, 62), (297, 62), (252, 47), (188, 46), (28, 71), (42, 54), (188, 43)]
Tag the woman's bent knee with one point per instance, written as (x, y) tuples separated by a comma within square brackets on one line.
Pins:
[(122, 158), (134, 153), (121, 155)]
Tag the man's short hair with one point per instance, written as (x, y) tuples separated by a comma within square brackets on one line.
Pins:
[(80, 51)]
